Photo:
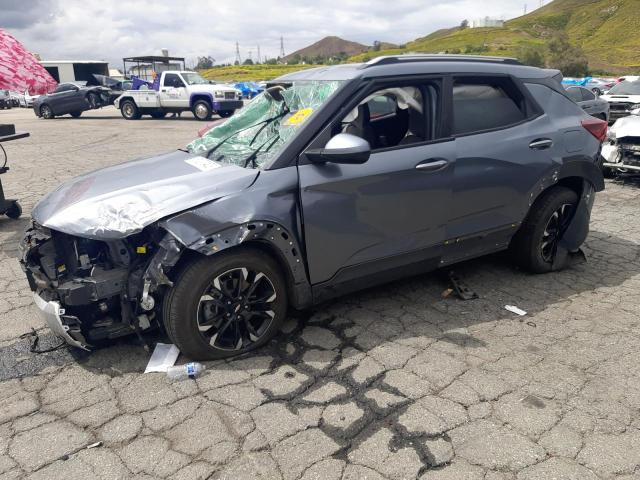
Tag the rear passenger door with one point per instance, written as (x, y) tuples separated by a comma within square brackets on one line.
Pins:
[(503, 144)]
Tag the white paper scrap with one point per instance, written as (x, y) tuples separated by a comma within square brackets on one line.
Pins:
[(163, 357), (516, 310), (202, 163)]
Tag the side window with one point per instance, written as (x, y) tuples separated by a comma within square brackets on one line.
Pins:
[(481, 104), (587, 94), (382, 105), (172, 80), (394, 116), (574, 94), (61, 88)]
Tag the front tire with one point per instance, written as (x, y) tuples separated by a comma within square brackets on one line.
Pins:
[(75, 114), (534, 247), (129, 110), (202, 110), (225, 305)]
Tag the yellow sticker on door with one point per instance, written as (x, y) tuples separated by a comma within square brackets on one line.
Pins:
[(300, 116)]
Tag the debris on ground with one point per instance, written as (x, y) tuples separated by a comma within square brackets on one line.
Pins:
[(188, 370), (461, 288), (516, 310), (163, 357)]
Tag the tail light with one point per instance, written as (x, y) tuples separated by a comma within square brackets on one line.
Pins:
[(596, 127)]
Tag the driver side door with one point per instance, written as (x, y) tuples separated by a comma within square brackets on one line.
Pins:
[(173, 91), (380, 219)]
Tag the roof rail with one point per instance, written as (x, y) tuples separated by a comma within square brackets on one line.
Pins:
[(438, 57)]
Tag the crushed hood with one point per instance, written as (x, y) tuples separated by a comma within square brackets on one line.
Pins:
[(626, 127), (118, 201)]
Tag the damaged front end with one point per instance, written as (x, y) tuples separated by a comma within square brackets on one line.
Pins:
[(621, 150), (88, 290)]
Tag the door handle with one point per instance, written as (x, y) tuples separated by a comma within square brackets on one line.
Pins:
[(432, 165), (541, 144)]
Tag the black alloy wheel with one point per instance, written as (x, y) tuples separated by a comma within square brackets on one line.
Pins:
[(555, 228), (236, 309)]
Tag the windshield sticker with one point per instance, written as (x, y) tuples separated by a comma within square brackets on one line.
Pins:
[(202, 163), (300, 116)]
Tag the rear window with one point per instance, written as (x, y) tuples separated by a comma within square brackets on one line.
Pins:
[(575, 94), (485, 104)]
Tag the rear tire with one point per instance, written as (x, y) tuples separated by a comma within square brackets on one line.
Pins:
[(226, 113), (212, 312), (202, 110), (75, 114), (129, 110), (46, 112), (533, 245), (158, 115)]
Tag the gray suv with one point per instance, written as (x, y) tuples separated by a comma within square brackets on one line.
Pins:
[(334, 179)]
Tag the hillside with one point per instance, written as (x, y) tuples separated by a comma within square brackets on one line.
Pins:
[(241, 73), (328, 47), (607, 30)]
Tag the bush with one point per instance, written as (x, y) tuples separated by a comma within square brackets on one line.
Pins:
[(569, 59), (531, 55)]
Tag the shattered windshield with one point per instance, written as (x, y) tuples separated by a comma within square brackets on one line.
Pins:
[(193, 78), (259, 131), (625, 88)]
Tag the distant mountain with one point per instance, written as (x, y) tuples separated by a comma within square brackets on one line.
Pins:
[(607, 30), (328, 47)]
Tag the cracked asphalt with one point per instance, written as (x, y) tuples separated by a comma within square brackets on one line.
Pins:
[(391, 383)]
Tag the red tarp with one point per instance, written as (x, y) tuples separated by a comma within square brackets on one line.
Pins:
[(20, 70)]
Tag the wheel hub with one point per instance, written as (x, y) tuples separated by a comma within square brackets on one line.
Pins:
[(236, 309)]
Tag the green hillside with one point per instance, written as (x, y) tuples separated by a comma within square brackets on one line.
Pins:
[(241, 73), (607, 30)]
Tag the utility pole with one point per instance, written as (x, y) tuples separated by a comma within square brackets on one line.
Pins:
[(282, 55), (250, 56), (525, 8), (238, 60), (258, 59)]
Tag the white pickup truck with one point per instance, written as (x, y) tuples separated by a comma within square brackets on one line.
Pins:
[(178, 91)]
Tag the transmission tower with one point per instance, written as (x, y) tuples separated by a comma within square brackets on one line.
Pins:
[(250, 56), (282, 55), (238, 60), (258, 59)]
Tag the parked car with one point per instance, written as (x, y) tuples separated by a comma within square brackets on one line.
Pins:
[(5, 100), (178, 91), (15, 99), (249, 89), (589, 102), (623, 98), (597, 85), (621, 150), (26, 99), (71, 98), (302, 196)]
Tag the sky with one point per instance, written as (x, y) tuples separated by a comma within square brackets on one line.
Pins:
[(103, 30)]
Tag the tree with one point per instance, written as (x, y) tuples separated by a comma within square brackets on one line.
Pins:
[(464, 24), (569, 59), (377, 45), (532, 55), (205, 62), (248, 61)]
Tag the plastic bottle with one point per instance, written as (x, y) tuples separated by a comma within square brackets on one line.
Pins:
[(188, 370)]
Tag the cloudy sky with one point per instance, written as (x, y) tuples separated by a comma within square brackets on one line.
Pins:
[(103, 30)]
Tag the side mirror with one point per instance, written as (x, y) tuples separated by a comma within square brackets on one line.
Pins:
[(343, 148)]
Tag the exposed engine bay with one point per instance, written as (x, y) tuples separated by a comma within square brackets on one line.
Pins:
[(98, 290)]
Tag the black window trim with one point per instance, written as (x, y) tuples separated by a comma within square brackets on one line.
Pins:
[(536, 110)]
